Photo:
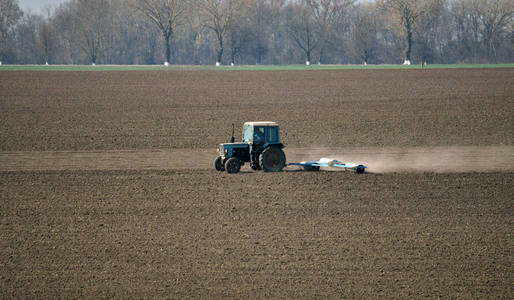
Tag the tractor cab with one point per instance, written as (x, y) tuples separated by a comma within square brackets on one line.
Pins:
[(261, 134), (260, 146)]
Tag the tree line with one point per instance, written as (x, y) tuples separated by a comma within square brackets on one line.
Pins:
[(259, 32)]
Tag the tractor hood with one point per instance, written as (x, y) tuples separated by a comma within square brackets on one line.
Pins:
[(226, 149)]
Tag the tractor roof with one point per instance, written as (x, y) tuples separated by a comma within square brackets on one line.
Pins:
[(261, 123)]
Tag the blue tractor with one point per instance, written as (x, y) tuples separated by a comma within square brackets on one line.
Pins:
[(260, 147)]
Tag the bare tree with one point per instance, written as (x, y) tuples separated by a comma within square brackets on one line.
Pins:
[(142, 39), (365, 33), (91, 21), (259, 31), (193, 34), (259, 15), (26, 39), (218, 15), (302, 28), (494, 17), (407, 13), (33, 39), (467, 30), (237, 39), (45, 40), (10, 13), (327, 13), (167, 15), (65, 25)]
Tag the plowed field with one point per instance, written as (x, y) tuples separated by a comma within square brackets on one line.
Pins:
[(107, 187)]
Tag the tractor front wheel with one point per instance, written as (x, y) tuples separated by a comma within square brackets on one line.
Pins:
[(273, 159), (232, 165), (218, 164)]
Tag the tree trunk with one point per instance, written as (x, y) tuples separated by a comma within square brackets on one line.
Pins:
[(259, 54), (94, 52), (409, 42), (168, 48), (220, 50)]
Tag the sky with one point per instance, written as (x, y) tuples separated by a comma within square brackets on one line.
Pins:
[(37, 6)]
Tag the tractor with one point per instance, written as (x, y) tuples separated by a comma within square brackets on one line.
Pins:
[(260, 147)]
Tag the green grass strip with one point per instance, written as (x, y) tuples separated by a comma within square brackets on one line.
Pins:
[(243, 68)]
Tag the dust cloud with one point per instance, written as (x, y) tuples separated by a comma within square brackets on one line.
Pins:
[(416, 159)]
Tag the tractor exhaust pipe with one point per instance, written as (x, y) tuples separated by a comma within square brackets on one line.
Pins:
[(232, 139)]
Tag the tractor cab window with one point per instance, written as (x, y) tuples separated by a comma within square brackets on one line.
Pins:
[(247, 134), (259, 135), (273, 135)]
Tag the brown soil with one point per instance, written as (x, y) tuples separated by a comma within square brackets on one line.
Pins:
[(107, 187), (204, 234), (44, 111)]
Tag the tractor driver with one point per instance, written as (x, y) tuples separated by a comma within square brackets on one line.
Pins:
[(258, 136)]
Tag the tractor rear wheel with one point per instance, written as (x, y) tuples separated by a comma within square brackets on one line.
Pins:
[(233, 165), (273, 159), (218, 164)]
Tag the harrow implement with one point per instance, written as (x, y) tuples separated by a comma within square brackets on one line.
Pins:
[(314, 165)]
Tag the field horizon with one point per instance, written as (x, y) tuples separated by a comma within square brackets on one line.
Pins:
[(295, 67)]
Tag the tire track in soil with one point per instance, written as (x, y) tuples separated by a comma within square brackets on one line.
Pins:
[(379, 160)]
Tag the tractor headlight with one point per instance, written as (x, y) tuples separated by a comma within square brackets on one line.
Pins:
[(222, 150)]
